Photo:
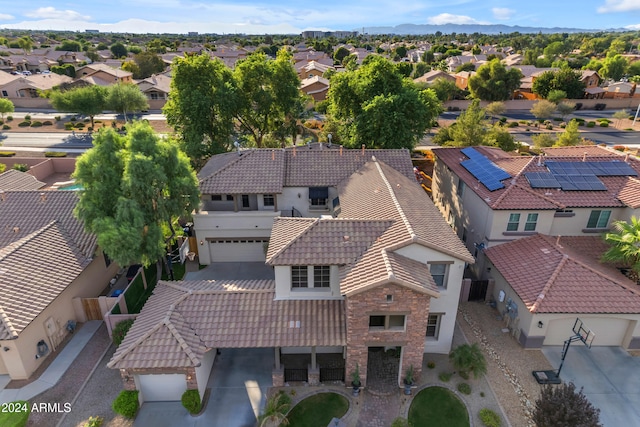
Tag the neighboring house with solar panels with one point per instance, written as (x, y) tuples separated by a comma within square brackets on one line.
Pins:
[(358, 261), (534, 225)]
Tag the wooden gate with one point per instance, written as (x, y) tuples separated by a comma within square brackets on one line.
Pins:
[(91, 308), (478, 290)]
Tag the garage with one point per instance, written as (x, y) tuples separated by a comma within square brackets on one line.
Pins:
[(244, 250), (609, 331), (162, 387)]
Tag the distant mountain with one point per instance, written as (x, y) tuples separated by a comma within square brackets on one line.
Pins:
[(415, 29)]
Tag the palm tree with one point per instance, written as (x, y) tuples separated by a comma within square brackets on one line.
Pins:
[(275, 409), (469, 358), (625, 246)]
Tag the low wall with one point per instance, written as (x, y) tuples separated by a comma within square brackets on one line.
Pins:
[(587, 104), (111, 320), (41, 168)]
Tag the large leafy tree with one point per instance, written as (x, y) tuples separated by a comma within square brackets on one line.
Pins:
[(144, 64), (565, 79), (562, 405), (624, 243), (493, 82), (570, 136), (6, 106), (374, 105), (614, 67), (201, 106), (126, 98), (86, 100), (135, 186), (543, 109), (267, 95), (118, 50)]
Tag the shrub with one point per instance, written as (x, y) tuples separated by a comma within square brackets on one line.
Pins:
[(90, 128), (464, 388), (68, 126), (7, 153), (126, 404), (524, 122), (97, 121), (57, 118), (557, 119), (20, 167), (120, 331), (36, 124), (27, 117), (604, 124), (9, 118), (549, 127), (489, 418), (87, 120), (619, 147), (562, 405), (464, 375), (512, 125), (94, 422), (6, 127), (400, 422), (47, 123), (55, 154), (445, 376), (469, 358), (191, 401), (578, 105), (24, 124), (1, 122), (482, 394), (73, 119), (79, 125), (431, 365), (591, 124)]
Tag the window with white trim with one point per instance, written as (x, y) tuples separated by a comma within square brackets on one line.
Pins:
[(439, 273), (268, 200), (299, 278), (321, 276), (433, 325), (514, 222), (599, 219), (532, 220)]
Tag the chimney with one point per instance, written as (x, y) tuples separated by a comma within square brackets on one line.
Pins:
[(273, 155), (341, 150), (363, 149), (16, 229), (294, 151), (626, 157), (558, 241), (584, 157), (43, 197)]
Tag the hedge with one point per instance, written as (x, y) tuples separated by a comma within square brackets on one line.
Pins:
[(120, 331), (191, 401), (126, 404), (55, 154), (489, 418)]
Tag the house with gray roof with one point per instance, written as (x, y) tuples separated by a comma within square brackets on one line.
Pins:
[(359, 261)]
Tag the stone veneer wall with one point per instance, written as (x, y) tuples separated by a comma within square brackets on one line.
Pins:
[(405, 301)]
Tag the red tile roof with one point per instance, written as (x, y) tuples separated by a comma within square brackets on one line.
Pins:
[(518, 194), (564, 275)]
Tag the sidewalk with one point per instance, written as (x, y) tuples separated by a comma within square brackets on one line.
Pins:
[(57, 368)]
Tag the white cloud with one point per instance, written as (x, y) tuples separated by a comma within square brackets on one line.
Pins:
[(6, 17), (632, 27), (448, 18), (619, 6), (502, 13), (51, 13)]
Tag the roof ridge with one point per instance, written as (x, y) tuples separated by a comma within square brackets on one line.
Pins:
[(290, 242), (605, 276), (178, 336), (14, 246), (7, 323), (513, 183), (228, 165), (542, 196), (550, 282), (396, 203)]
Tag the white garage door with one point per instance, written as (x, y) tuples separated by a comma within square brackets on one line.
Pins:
[(162, 388), (609, 331), (249, 250)]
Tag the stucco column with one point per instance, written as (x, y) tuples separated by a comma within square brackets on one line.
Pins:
[(313, 357), (277, 354)]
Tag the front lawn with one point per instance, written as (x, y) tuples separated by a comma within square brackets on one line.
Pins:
[(318, 410), (438, 406), (13, 415)]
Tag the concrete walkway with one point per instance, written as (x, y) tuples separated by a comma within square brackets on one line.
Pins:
[(57, 368), (610, 377)]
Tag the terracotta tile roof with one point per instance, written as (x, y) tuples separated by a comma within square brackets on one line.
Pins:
[(261, 171), (17, 180), (518, 194), (24, 212), (182, 320), (410, 272), (284, 231), (557, 275), (34, 270), (324, 241), (379, 192)]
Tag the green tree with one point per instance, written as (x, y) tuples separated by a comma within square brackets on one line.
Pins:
[(469, 358), (445, 89), (268, 94), (619, 116), (570, 136), (494, 109), (542, 140), (594, 64), (565, 108), (404, 68), (556, 95), (26, 44), (275, 410), (340, 54), (375, 106), (543, 84), (561, 405), (566, 79), (624, 246), (64, 70), (86, 100), (70, 46), (126, 98), (201, 106), (493, 82), (134, 188), (131, 67), (6, 106), (118, 50), (614, 67), (469, 66), (543, 109), (470, 128), (420, 69), (148, 64), (500, 137)]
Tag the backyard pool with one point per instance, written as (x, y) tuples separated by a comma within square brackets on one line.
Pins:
[(71, 187)]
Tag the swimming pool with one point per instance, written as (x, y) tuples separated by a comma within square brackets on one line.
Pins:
[(71, 187)]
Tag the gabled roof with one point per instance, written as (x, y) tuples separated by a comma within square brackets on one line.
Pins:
[(304, 83), (518, 193), (267, 171), (158, 82), (17, 180), (564, 275), (182, 320)]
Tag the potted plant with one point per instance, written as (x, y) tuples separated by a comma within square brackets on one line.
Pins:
[(355, 380), (408, 380)]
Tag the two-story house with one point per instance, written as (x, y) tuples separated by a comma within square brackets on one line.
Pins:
[(534, 225), (362, 262)]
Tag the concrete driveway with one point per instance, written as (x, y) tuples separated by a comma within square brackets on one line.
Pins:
[(233, 271), (238, 383), (610, 377)]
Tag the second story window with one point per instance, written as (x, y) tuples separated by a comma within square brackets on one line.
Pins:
[(532, 220), (268, 200), (318, 196), (514, 222), (299, 277), (439, 273), (599, 219), (460, 190), (321, 276)]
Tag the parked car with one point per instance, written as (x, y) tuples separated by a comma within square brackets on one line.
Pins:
[(26, 73), (132, 271)]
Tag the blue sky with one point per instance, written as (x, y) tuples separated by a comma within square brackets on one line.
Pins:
[(289, 16)]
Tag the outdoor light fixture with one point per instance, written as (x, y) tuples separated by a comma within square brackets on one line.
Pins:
[(201, 242), (540, 324), (6, 348)]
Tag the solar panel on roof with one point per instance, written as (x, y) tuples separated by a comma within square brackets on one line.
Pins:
[(580, 183), (598, 168), (542, 180), (471, 153), (484, 173)]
